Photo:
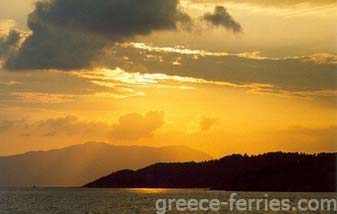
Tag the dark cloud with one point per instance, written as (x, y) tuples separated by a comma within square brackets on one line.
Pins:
[(69, 34), (221, 18), (9, 43)]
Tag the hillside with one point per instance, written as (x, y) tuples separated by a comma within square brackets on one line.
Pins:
[(79, 164), (287, 172)]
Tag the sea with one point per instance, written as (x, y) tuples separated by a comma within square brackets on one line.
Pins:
[(146, 201)]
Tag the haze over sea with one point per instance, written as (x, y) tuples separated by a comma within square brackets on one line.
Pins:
[(120, 201)]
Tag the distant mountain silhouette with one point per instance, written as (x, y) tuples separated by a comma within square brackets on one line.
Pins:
[(287, 172), (79, 164)]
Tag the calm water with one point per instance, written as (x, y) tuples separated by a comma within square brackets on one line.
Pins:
[(106, 201)]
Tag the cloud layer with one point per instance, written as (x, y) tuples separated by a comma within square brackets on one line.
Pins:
[(299, 75), (135, 126), (129, 127), (68, 34)]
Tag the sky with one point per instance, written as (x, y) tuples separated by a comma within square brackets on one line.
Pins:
[(221, 76)]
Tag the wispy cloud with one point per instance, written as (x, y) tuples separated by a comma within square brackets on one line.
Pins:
[(320, 58), (131, 84), (10, 82), (44, 98)]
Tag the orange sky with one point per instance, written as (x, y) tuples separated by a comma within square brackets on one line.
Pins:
[(271, 87)]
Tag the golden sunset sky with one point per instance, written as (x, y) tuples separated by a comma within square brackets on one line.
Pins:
[(252, 76)]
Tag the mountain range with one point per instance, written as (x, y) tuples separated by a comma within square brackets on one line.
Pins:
[(80, 164)]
